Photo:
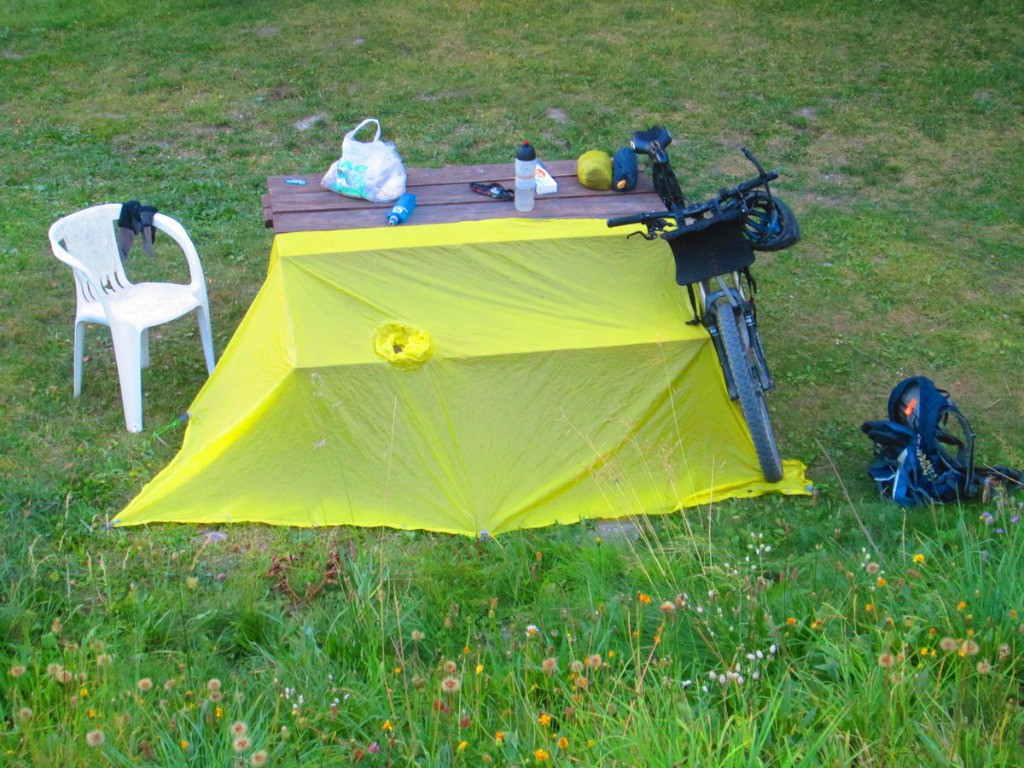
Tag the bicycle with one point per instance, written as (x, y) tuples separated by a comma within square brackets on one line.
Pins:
[(713, 243)]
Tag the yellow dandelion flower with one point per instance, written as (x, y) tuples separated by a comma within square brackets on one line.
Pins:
[(388, 726), (541, 755), (563, 743), (462, 746), (479, 668), (544, 718), (881, 581), (869, 607), (183, 744), (644, 598), (961, 605), (499, 737), (918, 558), (791, 621)]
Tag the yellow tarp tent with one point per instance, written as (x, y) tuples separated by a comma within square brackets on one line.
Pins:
[(467, 378)]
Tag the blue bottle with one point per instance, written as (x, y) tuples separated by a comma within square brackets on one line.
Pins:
[(402, 209)]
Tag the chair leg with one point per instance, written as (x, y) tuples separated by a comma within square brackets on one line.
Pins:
[(128, 352), (79, 352), (206, 333), (144, 348)]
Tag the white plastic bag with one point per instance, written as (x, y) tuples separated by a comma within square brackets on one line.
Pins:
[(371, 170)]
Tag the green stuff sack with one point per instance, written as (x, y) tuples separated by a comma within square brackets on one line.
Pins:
[(594, 170)]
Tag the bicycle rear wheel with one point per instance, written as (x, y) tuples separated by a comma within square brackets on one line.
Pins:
[(746, 377)]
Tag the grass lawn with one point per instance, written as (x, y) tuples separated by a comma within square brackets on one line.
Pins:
[(837, 630)]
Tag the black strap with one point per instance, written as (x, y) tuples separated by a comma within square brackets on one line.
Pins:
[(493, 190)]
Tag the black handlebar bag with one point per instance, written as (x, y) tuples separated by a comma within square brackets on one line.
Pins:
[(717, 249)]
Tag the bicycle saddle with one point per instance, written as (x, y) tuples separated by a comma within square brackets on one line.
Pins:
[(654, 139)]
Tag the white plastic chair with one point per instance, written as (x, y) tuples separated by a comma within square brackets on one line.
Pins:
[(87, 242)]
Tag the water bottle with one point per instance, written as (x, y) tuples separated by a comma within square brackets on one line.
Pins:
[(402, 209), (526, 176)]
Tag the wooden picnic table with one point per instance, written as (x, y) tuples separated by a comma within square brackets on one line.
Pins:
[(297, 203)]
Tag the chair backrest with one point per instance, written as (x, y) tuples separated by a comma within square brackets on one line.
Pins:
[(89, 238)]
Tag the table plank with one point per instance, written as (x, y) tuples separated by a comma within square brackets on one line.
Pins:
[(443, 195)]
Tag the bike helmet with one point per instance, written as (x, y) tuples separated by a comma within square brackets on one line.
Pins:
[(768, 223)]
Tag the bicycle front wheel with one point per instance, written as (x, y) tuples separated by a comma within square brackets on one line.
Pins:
[(746, 376)]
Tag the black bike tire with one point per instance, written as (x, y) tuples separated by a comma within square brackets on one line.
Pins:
[(748, 390)]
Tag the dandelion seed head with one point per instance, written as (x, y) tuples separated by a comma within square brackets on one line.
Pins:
[(242, 743), (95, 738), (145, 684), (451, 685)]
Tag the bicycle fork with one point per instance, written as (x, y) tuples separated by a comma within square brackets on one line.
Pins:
[(739, 305)]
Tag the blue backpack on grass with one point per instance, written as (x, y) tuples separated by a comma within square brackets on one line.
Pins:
[(924, 451)]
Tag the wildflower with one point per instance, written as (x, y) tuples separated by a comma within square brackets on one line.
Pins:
[(531, 630), (242, 743), (259, 758), (582, 682), (791, 621), (881, 581), (373, 748), (218, 712), (388, 726), (871, 568), (417, 635), (451, 685), (239, 729), (499, 738), (544, 719), (17, 670), (817, 624), (644, 598), (183, 744), (25, 713), (869, 607), (95, 738), (465, 721), (918, 558), (145, 684), (462, 746), (563, 743), (948, 644), (540, 755), (984, 667), (668, 607), (961, 605), (479, 668)]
